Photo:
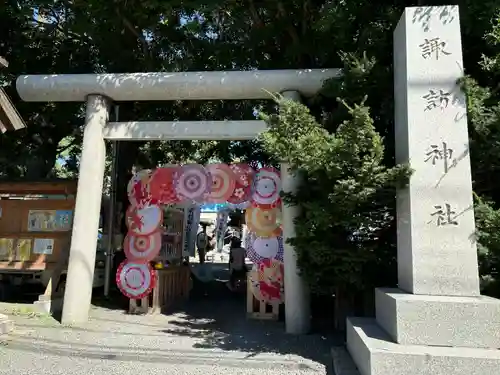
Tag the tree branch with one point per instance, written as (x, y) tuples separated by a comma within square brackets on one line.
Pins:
[(130, 27), (255, 15)]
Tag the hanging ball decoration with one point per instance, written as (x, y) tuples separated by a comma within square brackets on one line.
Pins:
[(144, 220), (142, 249), (264, 222), (135, 280), (223, 183), (194, 182), (266, 187)]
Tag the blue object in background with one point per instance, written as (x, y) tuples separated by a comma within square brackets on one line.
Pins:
[(213, 207)]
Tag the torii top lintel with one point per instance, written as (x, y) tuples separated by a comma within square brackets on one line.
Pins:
[(215, 85)]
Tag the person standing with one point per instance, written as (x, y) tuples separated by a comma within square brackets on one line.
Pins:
[(237, 264)]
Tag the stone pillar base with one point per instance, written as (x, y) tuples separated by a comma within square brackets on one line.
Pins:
[(374, 353), (6, 325), (410, 319)]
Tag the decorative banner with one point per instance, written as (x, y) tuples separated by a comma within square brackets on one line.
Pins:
[(267, 281), (259, 248), (162, 185), (23, 250), (192, 223), (220, 228), (135, 280), (145, 220), (266, 187), (138, 188), (243, 185), (142, 249), (263, 221), (194, 182), (223, 183)]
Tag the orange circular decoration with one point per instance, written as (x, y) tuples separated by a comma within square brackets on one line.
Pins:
[(223, 183), (162, 185), (264, 222), (144, 220), (142, 249)]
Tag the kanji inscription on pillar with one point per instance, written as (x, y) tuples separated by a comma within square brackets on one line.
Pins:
[(436, 255)]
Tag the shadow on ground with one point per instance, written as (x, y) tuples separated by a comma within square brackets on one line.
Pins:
[(218, 317)]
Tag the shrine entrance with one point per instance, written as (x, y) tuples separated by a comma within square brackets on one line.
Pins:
[(99, 91)]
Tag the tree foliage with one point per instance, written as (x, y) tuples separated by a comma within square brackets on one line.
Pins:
[(344, 149), (347, 193)]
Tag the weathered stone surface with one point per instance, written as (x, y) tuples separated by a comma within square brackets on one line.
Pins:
[(411, 319), (375, 354), (436, 248)]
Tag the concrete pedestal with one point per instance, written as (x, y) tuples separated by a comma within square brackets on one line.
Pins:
[(375, 353)]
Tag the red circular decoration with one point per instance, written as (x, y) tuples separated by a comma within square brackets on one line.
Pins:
[(267, 281), (243, 173), (135, 280), (243, 183), (144, 220), (223, 183), (138, 188), (142, 249), (162, 185)]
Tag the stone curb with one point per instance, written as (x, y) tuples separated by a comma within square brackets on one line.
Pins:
[(342, 362), (6, 325)]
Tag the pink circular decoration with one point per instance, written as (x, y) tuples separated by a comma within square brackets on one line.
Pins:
[(266, 187), (259, 248), (135, 280), (142, 249), (223, 183), (162, 185), (144, 220), (194, 182)]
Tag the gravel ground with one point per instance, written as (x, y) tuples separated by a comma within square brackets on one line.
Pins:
[(209, 335)]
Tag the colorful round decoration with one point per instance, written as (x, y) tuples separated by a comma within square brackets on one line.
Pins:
[(135, 280), (138, 188), (144, 220), (243, 173), (259, 248), (267, 280), (265, 222), (162, 184), (194, 182), (223, 183), (142, 249), (266, 187)]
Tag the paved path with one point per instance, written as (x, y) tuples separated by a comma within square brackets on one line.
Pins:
[(207, 336)]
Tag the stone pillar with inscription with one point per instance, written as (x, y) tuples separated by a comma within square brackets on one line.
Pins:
[(436, 322)]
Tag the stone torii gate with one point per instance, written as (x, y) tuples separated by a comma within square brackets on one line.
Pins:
[(99, 90)]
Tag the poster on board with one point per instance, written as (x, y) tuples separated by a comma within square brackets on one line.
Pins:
[(23, 249), (43, 246), (49, 220), (6, 248)]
